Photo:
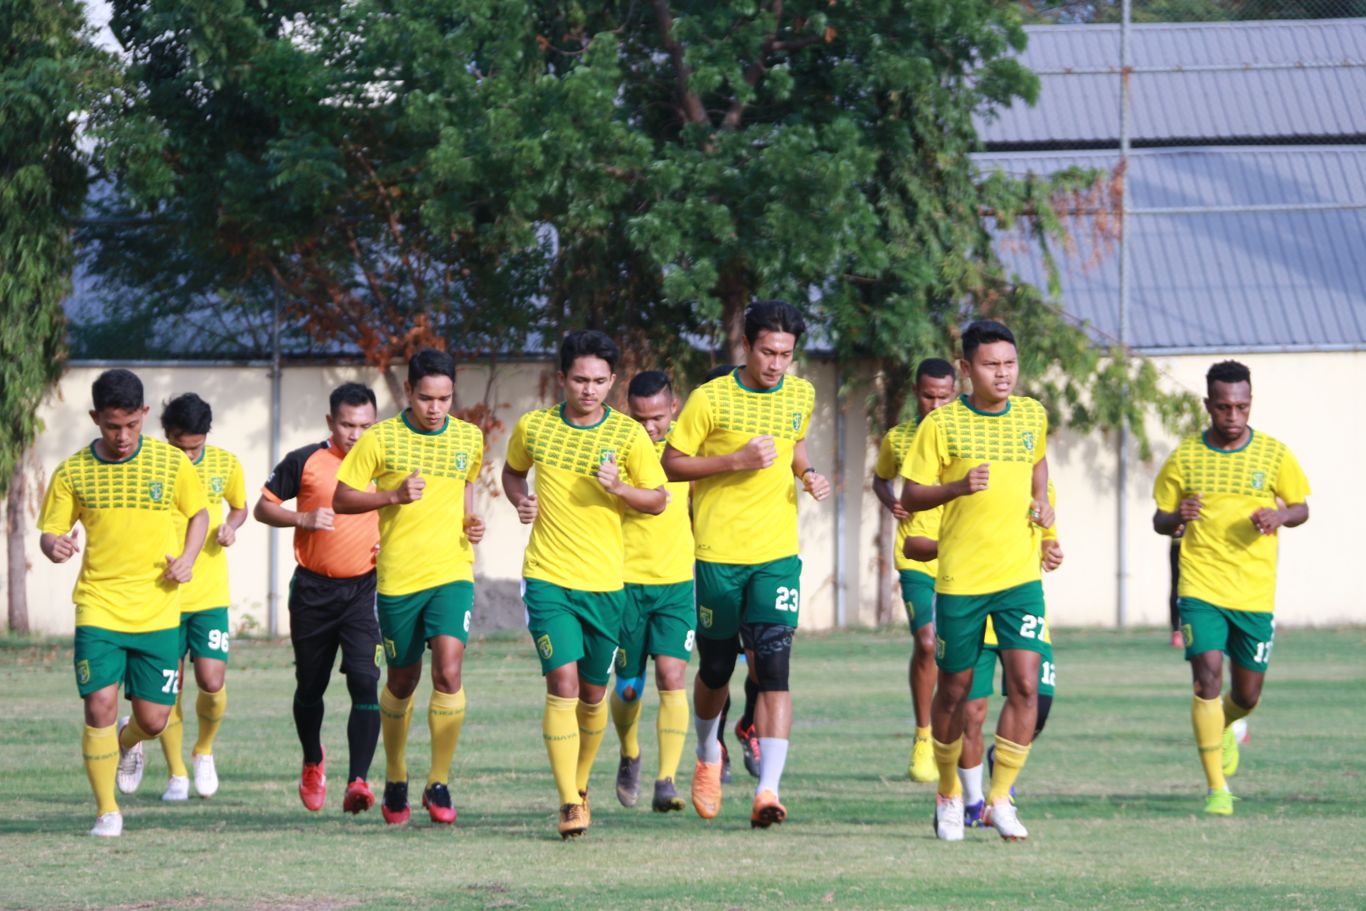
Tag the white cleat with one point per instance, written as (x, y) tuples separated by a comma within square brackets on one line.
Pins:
[(130, 764), (108, 825), (177, 788), (1240, 731), (948, 817), (1003, 817), (205, 775)]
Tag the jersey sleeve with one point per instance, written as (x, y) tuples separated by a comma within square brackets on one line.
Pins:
[(928, 457), (286, 480), (362, 463), (189, 493), (1169, 486), (236, 491), (60, 510), (642, 463), (886, 467), (518, 455), (1292, 485), (693, 425)]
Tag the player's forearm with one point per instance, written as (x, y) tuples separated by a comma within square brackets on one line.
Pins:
[(650, 502), (1166, 523), (922, 549), (918, 497), (680, 467), (882, 489), (349, 501), (274, 515), (801, 462), (237, 517), (1296, 514), (1038, 487), (195, 532), (515, 486)]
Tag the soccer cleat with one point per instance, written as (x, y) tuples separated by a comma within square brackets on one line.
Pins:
[(1241, 732), (395, 806), (437, 799), (749, 746), (666, 797), (131, 763), (205, 774), (108, 825), (972, 815), (767, 811), (628, 781), (177, 788), (1219, 803), (313, 784), (725, 764), (573, 820), (587, 810), (948, 817), (1003, 817), (359, 797), (1230, 752), (706, 789), (922, 767)]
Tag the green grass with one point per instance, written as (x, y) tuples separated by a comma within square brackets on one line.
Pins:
[(1111, 796)]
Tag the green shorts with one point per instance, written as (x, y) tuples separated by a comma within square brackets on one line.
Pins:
[(917, 593), (729, 594), (147, 664), (204, 634), (656, 620), (1245, 636), (984, 673), (408, 622), (1017, 613), (569, 625)]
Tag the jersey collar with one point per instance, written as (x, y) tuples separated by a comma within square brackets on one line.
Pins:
[(736, 373), (99, 458), (1204, 438), (426, 433), (606, 413), (967, 403)]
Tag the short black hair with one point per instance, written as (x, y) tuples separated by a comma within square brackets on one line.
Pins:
[(1227, 372), (719, 371), (935, 367), (187, 413), (354, 394), (649, 383), (430, 362), (984, 332), (773, 316), (588, 343), (118, 388)]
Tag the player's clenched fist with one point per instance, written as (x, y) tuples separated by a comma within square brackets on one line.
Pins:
[(319, 519), (64, 547), (1051, 555), (977, 479), (1190, 508), (178, 569), (410, 491), (527, 509), (474, 528), (609, 475), (756, 454), (816, 484)]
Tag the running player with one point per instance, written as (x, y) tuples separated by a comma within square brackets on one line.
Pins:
[(983, 457), (421, 462), (1233, 489), (659, 615), (592, 463), (126, 490), (331, 597), (204, 630), (742, 438), (934, 386)]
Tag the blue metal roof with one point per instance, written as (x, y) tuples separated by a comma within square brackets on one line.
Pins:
[(1222, 279), (1290, 79)]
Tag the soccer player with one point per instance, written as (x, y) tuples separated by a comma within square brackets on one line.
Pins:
[(592, 464), (331, 597), (421, 462), (126, 490), (934, 386), (660, 613), (983, 457), (1227, 486), (742, 438), (204, 630)]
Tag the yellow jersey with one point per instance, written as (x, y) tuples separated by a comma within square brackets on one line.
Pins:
[(423, 543), (1225, 560), (659, 549), (577, 540), (220, 475), (986, 541), (745, 517), (890, 456), (129, 510)]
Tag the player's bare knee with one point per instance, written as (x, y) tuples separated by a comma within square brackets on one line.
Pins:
[(563, 682), (402, 681), (670, 674), (924, 643), (209, 674), (715, 662), (772, 650)]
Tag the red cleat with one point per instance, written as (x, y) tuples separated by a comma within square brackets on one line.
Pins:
[(394, 807), (313, 784), (437, 800), (359, 797)]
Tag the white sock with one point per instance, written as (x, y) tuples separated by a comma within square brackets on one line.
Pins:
[(972, 784), (708, 747), (772, 758)]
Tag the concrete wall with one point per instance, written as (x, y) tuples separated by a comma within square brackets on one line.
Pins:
[(1314, 588)]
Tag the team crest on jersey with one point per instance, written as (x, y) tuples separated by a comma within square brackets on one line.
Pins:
[(1028, 439), (704, 616), (544, 647), (796, 420), (1259, 480), (156, 490), (216, 485), (83, 672), (462, 461)]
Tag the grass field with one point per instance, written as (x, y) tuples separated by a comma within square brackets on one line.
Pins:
[(1111, 796)]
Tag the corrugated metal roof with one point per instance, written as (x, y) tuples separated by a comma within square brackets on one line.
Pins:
[(1224, 279), (1193, 105)]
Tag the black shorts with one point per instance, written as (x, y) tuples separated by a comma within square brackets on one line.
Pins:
[(327, 614)]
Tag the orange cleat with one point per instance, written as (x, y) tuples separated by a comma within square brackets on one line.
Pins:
[(706, 789), (767, 810)]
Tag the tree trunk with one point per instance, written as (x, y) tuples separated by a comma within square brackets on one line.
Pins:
[(15, 528), (734, 291)]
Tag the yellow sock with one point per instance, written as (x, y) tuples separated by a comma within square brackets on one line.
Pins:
[(946, 758), (445, 715), (1233, 711), (592, 725), (1207, 718), (672, 728), (173, 739), (560, 730), (132, 734), (626, 718), (100, 750), (394, 717), (1010, 759), (210, 707), (922, 733)]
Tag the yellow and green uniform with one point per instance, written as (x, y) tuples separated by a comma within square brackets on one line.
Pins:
[(917, 577), (204, 600), (425, 566), (988, 553), (1227, 589), (748, 571)]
